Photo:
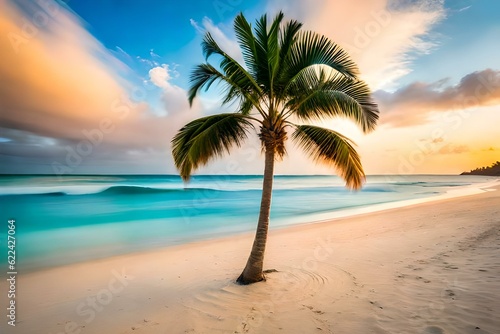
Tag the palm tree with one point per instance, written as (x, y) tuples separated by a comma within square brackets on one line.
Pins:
[(289, 76)]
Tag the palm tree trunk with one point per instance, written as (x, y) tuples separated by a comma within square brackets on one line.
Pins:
[(253, 269)]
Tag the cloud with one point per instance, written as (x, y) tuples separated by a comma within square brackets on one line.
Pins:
[(196, 26), (414, 103), (160, 76), (119, 51), (227, 42), (454, 149), (62, 91), (153, 54), (437, 140), (173, 97), (57, 75), (382, 36), (147, 62)]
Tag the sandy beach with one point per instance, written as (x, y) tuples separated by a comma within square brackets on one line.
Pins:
[(428, 268)]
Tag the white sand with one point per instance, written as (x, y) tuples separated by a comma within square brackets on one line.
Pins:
[(429, 268)]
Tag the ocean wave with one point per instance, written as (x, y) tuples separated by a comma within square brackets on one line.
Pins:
[(137, 190), (416, 183), (106, 191), (447, 185), (133, 190), (433, 184), (117, 190)]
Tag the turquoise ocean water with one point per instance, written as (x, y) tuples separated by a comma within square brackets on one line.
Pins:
[(61, 220)]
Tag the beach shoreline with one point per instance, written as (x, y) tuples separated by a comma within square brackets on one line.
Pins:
[(425, 268), (90, 218), (462, 191)]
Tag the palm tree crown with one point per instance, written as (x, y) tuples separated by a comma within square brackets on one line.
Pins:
[(289, 75)]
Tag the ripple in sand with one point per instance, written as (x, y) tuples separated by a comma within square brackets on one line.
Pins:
[(283, 291)]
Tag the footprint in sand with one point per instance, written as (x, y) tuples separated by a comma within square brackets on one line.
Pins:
[(433, 330), (376, 304), (313, 310), (450, 266)]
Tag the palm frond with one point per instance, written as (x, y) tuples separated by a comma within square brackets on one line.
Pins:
[(316, 95), (205, 138), (267, 50), (246, 40), (204, 75), (311, 49), (332, 148), (287, 39), (273, 48), (245, 106), (289, 72), (230, 67), (262, 66)]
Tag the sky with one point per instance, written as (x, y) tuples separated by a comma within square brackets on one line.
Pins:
[(99, 87)]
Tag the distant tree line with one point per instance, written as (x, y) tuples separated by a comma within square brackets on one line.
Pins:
[(493, 170)]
